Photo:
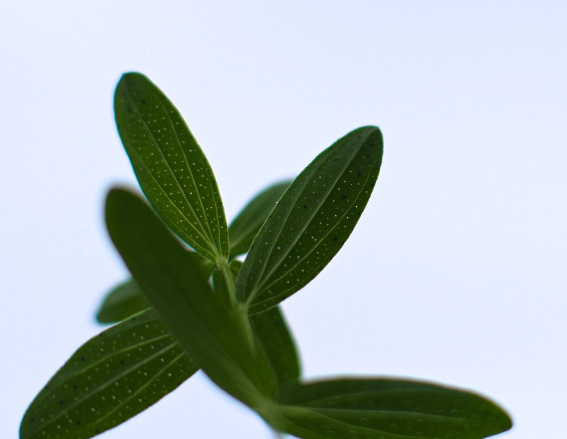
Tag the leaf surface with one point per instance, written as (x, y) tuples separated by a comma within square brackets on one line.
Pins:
[(312, 220), (127, 298), (170, 166), (273, 334), (110, 379), (247, 223), (389, 409), (217, 337), (121, 302)]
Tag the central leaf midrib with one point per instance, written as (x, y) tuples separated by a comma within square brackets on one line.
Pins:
[(409, 413), (258, 288), (316, 245), (114, 354), (140, 389), (98, 389), (170, 170), (191, 173), (262, 233), (174, 205), (255, 289)]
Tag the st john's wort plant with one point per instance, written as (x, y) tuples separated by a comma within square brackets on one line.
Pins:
[(191, 304)]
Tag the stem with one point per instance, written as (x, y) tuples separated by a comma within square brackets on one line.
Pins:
[(224, 267)]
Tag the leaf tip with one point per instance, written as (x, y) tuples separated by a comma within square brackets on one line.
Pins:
[(130, 78), (117, 199)]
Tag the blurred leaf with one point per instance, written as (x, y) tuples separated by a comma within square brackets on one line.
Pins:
[(123, 301), (235, 267), (218, 338), (389, 409), (247, 223), (128, 299), (170, 166), (311, 221), (273, 334), (111, 378)]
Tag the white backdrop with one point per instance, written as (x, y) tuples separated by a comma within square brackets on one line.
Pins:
[(457, 270)]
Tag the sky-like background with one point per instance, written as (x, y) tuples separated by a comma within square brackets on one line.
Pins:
[(456, 272)]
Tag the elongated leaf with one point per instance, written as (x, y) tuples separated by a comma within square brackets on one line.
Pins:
[(128, 299), (389, 409), (123, 301), (218, 338), (312, 220), (247, 223), (110, 379), (273, 334), (170, 166)]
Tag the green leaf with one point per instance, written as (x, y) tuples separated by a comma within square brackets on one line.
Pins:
[(170, 166), (247, 223), (312, 220), (217, 337), (389, 409), (273, 334), (111, 378), (123, 301), (127, 299)]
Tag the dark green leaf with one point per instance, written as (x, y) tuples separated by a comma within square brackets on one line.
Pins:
[(128, 299), (389, 409), (217, 337), (273, 334), (110, 379), (235, 267), (170, 166), (312, 220), (123, 301), (247, 223)]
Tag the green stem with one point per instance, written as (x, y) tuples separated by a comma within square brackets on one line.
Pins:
[(224, 267)]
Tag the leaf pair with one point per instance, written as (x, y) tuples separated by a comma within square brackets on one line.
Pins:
[(307, 227)]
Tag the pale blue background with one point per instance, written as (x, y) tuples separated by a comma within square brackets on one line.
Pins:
[(457, 271)]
